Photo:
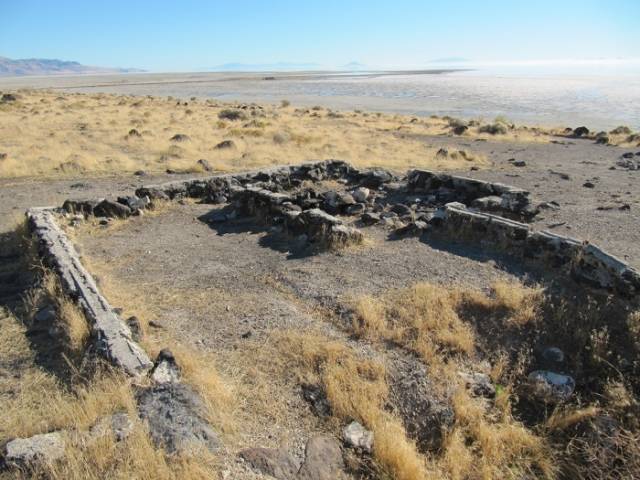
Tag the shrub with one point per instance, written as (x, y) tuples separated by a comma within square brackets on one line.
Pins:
[(232, 114)]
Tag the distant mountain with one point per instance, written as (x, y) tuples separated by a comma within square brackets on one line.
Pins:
[(46, 66), (450, 60), (264, 67), (354, 66)]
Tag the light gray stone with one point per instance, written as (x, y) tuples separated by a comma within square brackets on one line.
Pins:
[(37, 450), (355, 435), (551, 387), (113, 337)]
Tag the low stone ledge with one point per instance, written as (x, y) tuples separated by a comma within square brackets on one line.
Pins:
[(582, 260), (466, 190), (113, 337)]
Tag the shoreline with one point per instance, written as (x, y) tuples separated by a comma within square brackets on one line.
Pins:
[(524, 100)]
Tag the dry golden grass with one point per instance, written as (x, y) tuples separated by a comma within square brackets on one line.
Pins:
[(356, 389), (426, 318), (486, 442), (70, 318), (55, 135)]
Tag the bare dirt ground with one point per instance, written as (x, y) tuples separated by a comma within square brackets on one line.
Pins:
[(270, 318)]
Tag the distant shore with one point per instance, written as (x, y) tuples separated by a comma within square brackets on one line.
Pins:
[(601, 102)]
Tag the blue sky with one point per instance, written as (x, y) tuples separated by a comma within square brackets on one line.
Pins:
[(193, 35)]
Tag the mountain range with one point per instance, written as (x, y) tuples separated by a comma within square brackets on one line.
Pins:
[(46, 66)]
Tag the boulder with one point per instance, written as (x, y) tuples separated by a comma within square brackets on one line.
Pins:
[(176, 417), (550, 387), (111, 209), (165, 369), (581, 132), (323, 460), (276, 463), (356, 436), (479, 384), (370, 218), (134, 203), (31, 452), (376, 178), (84, 207), (356, 209), (361, 194), (205, 165)]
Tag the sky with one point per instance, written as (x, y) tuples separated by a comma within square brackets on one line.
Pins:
[(195, 35)]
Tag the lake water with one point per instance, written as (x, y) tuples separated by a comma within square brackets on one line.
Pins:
[(598, 97)]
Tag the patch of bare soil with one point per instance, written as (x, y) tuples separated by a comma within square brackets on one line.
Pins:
[(387, 333)]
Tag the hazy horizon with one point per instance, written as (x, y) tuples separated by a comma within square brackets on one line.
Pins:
[(200, 36)]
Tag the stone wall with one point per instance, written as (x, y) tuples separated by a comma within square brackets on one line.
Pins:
[(451, 188), (584, 261), (112, 336)]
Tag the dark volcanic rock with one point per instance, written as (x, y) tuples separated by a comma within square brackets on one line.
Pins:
[(427, 417), (276, 463), (581, 132), (175, 414), (109, 208), (225, 144), (180, 137), (376, 178), (80, 206)]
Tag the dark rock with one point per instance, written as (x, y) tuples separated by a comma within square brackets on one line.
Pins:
[(323, 460), (134, 203), (589, 184), (491, 203), (401, 209), (602, 138), (581, 132), (175, 414), (206, 166), (109, 208), (519, 163), (315, 395), (412, 228), (460, 129), (627, 155), (370, 218), (84, 207), (8, 98), (136, 328), (134, 133), (276, 463), (180, 137), (3, 156), (140, 173), (225, 144), (426, 415), (376, 178), (45, 315), (356, 209)]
